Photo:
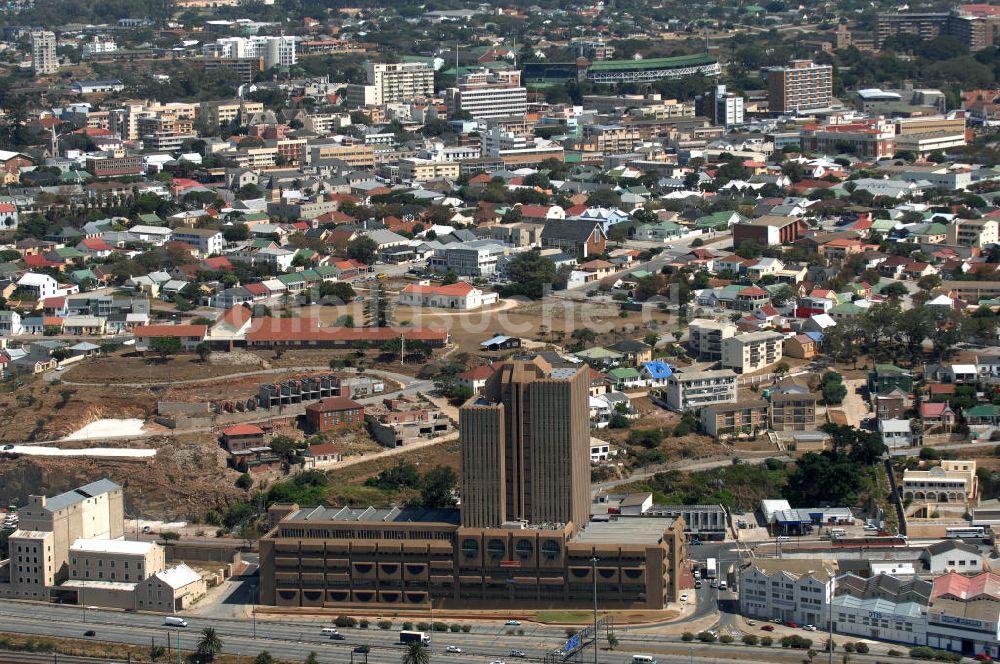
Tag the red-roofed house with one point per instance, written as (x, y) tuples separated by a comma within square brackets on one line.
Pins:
[(475, 378), (242, 437), (189, 335), (542, 212), (460, 295), (936, 414), (217, 263)]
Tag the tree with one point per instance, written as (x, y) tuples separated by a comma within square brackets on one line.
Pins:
[(244, 482), (263, 658), (436, 487), (209, 645), (832, 387), (362, 249), (416, 653), (529, 273), (203, 350), (894, 291), (236, 233), (336, 290), (313, 658), (166, 346)]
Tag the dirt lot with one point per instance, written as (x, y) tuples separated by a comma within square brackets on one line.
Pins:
[(187, 478), (553, 320)]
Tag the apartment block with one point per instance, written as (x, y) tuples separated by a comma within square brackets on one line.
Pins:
[(976, 32), (801, 86), (972, 232), (43, 53), (705, 337), (609, 139), (695, 389), (393, 83), (274, 51), (215, 113), (489, 94), (793, 409), (117, 163), (735, 419), (953, 481), (356, 155), (422, 170), (746, 353)]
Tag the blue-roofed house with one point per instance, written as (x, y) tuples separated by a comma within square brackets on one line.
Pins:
[(656, 373), (500, 342)]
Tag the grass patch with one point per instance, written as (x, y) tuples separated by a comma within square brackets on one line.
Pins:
[(565, 616)]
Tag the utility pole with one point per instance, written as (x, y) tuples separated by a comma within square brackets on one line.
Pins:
[(178, 645), (593, 565), (833, 581)]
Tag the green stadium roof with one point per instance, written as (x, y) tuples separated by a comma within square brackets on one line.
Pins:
[(653, 63)]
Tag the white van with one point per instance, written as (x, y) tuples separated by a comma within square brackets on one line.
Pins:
[(328, 631), (174, 621)]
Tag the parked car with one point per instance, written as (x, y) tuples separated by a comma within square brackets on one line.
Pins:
[(809, 628), (516, 653), (684, 597), (789, 623), (513, 623), (338, 637), (767, 628), (90, 632)]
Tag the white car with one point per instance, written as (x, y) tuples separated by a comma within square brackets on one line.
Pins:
[(809, 628), (453, 649), (512, 623), (684, 597), (498, 661)]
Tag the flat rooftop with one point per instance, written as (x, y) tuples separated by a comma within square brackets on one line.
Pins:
[(376, 515), (130, 547), (647, 530)]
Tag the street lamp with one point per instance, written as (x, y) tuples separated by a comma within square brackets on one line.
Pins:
[(593, 565), (833, 581), (178, 645)]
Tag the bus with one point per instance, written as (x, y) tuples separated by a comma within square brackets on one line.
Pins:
[(710, 569), (643, 659), (407, 636), (962, 533)]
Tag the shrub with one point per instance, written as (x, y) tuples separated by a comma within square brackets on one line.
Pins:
[(385, 624), (895, 653), (796, 641), (468, 628), (750, 639), (363, 624), (848, 647), (440, 627), (454, 627), (424, 627), (520, 632), (766, 641), (861, 647), (345, 621), (725, 638), (706, 637), (687, 636), (170, 535), (407, 624), (922, 652), (570, 631)]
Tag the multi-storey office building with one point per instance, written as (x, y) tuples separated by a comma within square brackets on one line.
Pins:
[(43, 53), (522, 537), (393, 83), (489, 94), (801, 86)]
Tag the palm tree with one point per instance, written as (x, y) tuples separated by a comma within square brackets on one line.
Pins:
[(416, 653), (210, 644), (313, 658)]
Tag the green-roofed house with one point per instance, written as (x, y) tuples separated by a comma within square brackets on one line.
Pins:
[(932, 233), (660, 231), (66, 255), (293, 282), (885, 378), (882, 226), (80, 276), (600, 357), (624, 378), (983, 414), (845, 310), (722, 218), (150, 219)]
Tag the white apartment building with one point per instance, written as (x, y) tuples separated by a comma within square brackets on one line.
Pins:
[(789, 590), (745, 353), (43, 53), (97, 46), (477, 258), (972, 232), (207, 240), (489, 94), (276, 51), (393, 83), (705, 337), (694, 389)]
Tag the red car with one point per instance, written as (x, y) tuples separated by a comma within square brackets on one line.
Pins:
[(983, 657), (767, 628), (789, 623)]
